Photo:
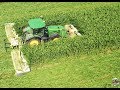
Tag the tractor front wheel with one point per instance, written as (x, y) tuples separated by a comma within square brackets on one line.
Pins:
[(55, 39)]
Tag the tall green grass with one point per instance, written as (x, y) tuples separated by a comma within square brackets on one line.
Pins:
[(97, 22), (100, 29)]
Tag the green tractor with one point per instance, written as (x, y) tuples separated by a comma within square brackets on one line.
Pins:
[(37, 32)]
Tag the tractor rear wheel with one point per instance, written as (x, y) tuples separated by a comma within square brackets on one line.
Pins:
[(33, 42)]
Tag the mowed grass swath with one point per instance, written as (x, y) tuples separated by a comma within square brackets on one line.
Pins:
[(100, 29)]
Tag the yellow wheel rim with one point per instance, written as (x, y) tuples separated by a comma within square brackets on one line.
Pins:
[(55, 39), (34, 42)]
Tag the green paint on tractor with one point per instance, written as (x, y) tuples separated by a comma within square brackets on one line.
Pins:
[(58, 29), (36, 23), (37, 30)]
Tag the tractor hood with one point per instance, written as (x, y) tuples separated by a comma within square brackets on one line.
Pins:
[(52, 29), (36, 23)]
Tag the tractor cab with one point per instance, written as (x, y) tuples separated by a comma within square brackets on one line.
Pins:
[(38, 26), (35, 31)]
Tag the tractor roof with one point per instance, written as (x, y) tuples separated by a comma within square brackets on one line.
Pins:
[(36, 23)]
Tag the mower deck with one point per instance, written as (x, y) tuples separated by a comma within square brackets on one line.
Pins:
[(19, 62)]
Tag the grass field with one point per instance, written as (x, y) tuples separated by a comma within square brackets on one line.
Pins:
[(82, 70), (96, 70)]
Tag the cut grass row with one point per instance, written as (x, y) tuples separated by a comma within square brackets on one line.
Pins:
[(84, 71)]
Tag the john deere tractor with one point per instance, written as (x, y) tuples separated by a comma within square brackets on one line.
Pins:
[(37, 32)]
